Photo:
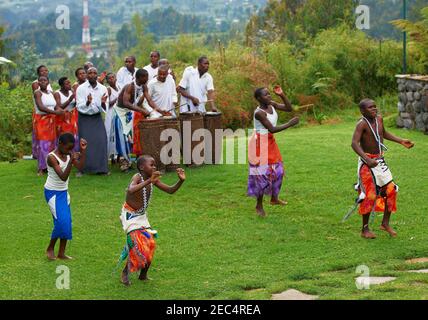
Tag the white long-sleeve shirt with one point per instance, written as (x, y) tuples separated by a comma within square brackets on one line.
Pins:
[(82, 97), (124, 77)]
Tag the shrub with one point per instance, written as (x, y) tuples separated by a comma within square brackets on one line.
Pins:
[(16, 107)]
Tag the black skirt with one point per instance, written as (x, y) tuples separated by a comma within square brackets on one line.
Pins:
[(92, 129)]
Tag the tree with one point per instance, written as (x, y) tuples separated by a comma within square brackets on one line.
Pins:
[(296, 20), (5, 64), (319, 15), (418, 32), (125, 38), (28, 62)]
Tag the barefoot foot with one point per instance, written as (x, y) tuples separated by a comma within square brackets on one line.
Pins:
[(124, 279), (261, 212), (278, 203), (64, 257), (368, 235), (144, 277), (388, 229), (51, 255)]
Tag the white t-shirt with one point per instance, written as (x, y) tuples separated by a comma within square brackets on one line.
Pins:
[(153, 72), (196, 86), (124, 77), (164, 94)]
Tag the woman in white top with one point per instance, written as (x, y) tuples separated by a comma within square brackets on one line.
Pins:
[(266, 166), (60, 162), (42, 71), (66, 100), (44, 123)]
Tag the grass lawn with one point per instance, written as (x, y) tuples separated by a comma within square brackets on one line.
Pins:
[(212, 245)]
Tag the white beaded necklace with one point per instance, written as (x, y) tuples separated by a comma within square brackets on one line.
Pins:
[(376, 135), (146, 201)]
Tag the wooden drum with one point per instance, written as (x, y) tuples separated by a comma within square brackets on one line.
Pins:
[(151, 144), (171, 123), (190, 122), (213, 122)]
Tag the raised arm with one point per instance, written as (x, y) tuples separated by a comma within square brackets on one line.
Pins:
[(286, 106), (262, 117), (137, 184), (79, 159), (63, 175), (172, 189)]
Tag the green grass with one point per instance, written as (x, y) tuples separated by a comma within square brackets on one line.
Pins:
[(212, 245)]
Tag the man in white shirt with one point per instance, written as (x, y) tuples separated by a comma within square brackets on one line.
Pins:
[(126, 74), (197, 88), (165, 62), (91, 101), (153, 67), (163, 92)]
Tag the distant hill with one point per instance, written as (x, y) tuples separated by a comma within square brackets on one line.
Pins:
[(15, 12)]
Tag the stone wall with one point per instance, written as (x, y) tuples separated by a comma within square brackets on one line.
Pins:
[(413, 102)]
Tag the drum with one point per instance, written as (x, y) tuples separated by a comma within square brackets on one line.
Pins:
[(172, 123), (213, 122), (189, 123), (151, 144)]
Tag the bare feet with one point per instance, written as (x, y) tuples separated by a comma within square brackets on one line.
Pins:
[(388, 229), (367, 234), (125, 279), (261, 212), (143, 276), (51, 255), (64, 257), (278, 202)]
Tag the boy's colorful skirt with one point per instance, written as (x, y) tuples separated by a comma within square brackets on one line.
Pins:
[(141, 248), (376, 187)]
